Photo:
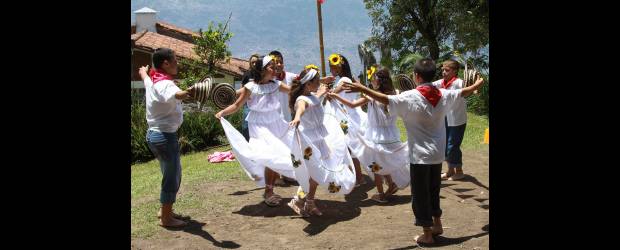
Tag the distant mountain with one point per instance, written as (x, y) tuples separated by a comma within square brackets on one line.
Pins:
[(290, 26)]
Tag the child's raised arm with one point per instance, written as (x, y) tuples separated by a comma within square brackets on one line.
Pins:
[(301, 108), (359, 102), (243, 97)]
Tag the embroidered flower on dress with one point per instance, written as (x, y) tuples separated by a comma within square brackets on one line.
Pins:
[(375, 167), (344, 126), (307, 153), (295, 162), (333, 188)]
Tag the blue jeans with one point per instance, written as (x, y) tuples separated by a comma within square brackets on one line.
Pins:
[(454, 138), (165, 146), (244, 124)]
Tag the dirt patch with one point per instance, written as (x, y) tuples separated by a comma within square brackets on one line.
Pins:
[(237, 218)]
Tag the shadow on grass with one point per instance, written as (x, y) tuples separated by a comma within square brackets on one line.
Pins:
[(195, 227)]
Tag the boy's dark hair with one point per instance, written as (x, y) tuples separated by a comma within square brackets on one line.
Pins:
[(425, 68), (452, 64), (160, 55), (276, 53)]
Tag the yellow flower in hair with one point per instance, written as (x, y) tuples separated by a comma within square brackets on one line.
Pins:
[(456, 53), (371, 72), (312, 66), (335, 59)]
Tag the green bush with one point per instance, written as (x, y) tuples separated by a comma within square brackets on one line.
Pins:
[(479, 103), (199, 131)]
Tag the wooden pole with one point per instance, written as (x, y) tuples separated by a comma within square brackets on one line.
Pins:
[(318, 8)]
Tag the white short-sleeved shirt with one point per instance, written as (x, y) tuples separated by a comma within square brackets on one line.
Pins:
[(458, 114), (288, 80), (425, 124), (164, 113)]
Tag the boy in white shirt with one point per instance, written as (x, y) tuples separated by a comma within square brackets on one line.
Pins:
[(456, 120), (423, 111), (164, 115)]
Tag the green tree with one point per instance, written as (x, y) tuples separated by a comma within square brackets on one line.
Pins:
[(425, 26), (211, 48)]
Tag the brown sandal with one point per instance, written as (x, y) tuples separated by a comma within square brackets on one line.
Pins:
[(392, 189), (298, 206), (311, 208), (379, 197)]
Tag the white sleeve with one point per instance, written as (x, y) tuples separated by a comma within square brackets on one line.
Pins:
[(168, 91), (399, 103), (147, 82)]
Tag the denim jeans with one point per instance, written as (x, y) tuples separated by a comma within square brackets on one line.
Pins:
[(454, 138), (425, 187), (165, 146), (244, 124)]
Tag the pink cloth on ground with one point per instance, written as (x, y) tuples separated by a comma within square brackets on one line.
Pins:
[(221, 157)]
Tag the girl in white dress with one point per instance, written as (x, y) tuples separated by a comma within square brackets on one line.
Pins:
[(267, 153), (326, 160), (355, 118), (381, 150)]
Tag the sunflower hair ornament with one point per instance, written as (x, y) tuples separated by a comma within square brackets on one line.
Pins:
[(335, 59), (371, 71), (312, 66)]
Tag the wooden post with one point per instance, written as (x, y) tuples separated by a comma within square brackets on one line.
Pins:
[(318, 8)]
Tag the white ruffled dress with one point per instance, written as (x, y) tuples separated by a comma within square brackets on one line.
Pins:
[(320, 150), (270, 135), (381, 146)]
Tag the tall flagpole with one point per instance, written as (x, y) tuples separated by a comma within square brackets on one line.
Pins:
[(318, 8)]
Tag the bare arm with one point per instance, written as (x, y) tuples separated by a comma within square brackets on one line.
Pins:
[(184, 94), (468, 90), (284, 88), (321, 91), (142, 71), (327, 79), (243, 97), (301, 108), (359, 102), (358, 87), (338, 89)]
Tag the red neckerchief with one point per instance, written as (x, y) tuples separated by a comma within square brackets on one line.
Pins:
[(158, 75), (445, 85), (281, 76), (431, 93)]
